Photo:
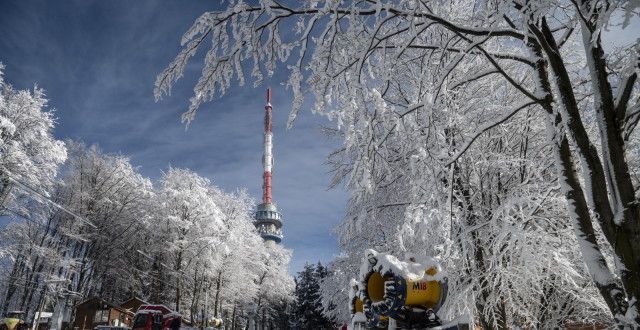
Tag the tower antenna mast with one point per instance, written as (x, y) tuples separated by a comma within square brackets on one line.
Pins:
[(268, 220), (267, 160)]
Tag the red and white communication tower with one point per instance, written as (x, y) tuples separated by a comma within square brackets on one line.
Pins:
[(267, 218), (267, 159)]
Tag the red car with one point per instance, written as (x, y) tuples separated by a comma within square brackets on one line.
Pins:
[(156, 317)]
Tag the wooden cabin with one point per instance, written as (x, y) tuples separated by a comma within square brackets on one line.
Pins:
[(133, 304), (95, 311)]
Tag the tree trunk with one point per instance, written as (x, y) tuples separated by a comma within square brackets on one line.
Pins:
[(217, 299), (195, 297), (233, 317), (471, 220), (177, 269), (625, 240), (593, 173)]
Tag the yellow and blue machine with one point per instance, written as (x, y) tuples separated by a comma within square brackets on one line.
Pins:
[(388, 291), (361, 315)]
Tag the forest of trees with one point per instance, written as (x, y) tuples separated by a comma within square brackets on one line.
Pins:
[(496, 136), (83, 223)]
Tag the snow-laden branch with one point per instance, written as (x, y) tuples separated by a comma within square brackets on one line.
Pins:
[(245, 34), (485, 128)]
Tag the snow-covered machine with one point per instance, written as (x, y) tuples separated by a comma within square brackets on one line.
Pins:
[(356, 307), (13, 321), (156, 317), (361, 316), (406, 293), (217, 323)]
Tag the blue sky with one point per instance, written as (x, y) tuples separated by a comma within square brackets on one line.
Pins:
[(97, 61)]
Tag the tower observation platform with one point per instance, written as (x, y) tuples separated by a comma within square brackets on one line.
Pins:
[(268, 220)]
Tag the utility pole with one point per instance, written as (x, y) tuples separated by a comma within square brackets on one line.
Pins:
[(58, 312), (62, 294), (36, 318)]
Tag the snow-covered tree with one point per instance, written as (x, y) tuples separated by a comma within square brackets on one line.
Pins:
[(29, 160), (463, 117), (81, 238), (109, 199), (334, 292), (188, 223), (237, 268), (275, 285), (28, 151)]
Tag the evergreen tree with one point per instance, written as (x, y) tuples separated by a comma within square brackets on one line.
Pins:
[(281, 314), (308, 309)]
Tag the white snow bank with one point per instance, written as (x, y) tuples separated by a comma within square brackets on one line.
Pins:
[(463, 319), (359, 317), (411, 270)]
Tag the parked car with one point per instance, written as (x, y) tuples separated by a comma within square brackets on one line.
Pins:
[(110, 327), (156, 317)]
